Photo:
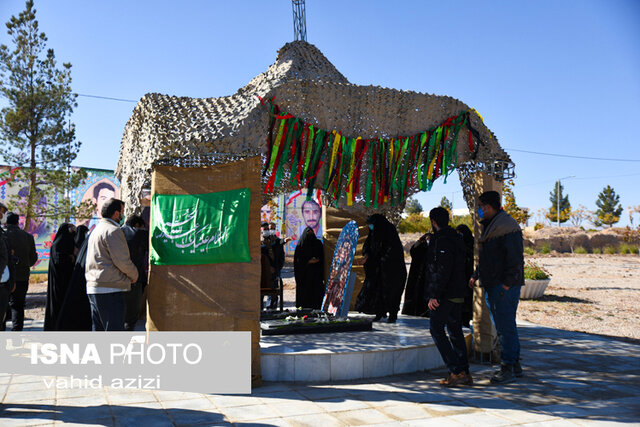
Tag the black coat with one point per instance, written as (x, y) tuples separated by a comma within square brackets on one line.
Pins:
[(75, 313), (310, 286), (415, 303), (138, 243), (385, 269), (501, 259), (61, 262), (24, 248), (446, 277)]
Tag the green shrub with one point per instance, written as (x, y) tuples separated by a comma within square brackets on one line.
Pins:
[(580, 250), (610, 250), (596, 251), (534, 271), (529, 251), (545, 248), (415, 223), (538, 226), (626, 248)]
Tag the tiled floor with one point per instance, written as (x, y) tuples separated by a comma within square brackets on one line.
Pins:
[(570, 379)]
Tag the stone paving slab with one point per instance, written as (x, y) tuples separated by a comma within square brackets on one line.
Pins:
[(570, 379)]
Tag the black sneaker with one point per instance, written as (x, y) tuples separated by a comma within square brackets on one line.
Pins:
[(517, 370), (504, 375)]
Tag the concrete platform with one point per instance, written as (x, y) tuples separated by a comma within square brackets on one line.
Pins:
[(388, 349)]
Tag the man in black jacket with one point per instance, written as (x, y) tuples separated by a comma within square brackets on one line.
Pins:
[(24, 248), (501, 274), (445, 291)]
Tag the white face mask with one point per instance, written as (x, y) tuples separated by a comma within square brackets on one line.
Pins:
[(3, 218)]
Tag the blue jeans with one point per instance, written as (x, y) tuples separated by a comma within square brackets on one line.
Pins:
[(453, 348), (107, 311), (503, 305)]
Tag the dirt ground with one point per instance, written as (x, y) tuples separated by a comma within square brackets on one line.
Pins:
[(589, 293)]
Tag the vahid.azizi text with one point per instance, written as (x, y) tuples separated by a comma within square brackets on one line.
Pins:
[(152, 383)]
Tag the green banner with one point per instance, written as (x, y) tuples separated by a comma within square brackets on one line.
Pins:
[(196, 229)]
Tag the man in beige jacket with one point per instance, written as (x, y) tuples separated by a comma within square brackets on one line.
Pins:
[(109, 270)]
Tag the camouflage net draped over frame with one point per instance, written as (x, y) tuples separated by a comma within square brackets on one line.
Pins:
[(201, 131)]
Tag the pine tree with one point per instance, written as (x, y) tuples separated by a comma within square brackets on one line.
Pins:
[(609, 207), (445, 203), (413, 207), (565, 206), (521, 215), (37, 136)]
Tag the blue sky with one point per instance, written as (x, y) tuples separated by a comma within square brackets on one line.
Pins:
[(547, 76)]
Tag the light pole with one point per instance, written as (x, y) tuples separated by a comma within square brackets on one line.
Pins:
[(558, 198)]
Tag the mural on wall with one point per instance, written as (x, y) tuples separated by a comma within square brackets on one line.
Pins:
[(99, 185), (291, 213)]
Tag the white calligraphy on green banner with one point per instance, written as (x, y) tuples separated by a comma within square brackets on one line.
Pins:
[(196, 229)]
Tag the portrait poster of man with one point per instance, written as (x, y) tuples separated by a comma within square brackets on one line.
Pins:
[(301, 213), (99, 187)]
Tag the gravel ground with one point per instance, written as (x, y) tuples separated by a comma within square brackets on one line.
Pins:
[(588, 293)]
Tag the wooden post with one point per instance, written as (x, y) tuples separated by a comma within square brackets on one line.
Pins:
[(484, 333)]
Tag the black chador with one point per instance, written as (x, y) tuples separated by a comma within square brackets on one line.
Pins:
[(61, 261), (385, 270), (415, 303), (308, 266), (75, 313)]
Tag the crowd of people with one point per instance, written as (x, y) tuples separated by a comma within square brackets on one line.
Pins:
[(440, 281), (95, 278)]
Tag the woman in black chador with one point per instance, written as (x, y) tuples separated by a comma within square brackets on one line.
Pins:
[(384, 268), (467, 306), (75, 312), (61, 260), (414, 302), (308, 267)]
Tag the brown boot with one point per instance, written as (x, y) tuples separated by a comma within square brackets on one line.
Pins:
[(463, 378), (447, 380)]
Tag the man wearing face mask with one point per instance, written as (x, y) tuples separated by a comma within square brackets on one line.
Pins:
[(109, 270), (501, 274)]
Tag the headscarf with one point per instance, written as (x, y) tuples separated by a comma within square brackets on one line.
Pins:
[(63, 243), (382, 233), (81, 234), (308, 235), (466, 233)]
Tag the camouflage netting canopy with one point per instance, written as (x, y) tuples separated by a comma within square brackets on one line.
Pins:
[(185, 131)]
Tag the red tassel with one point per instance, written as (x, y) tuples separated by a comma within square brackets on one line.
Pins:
[(470, 141)]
